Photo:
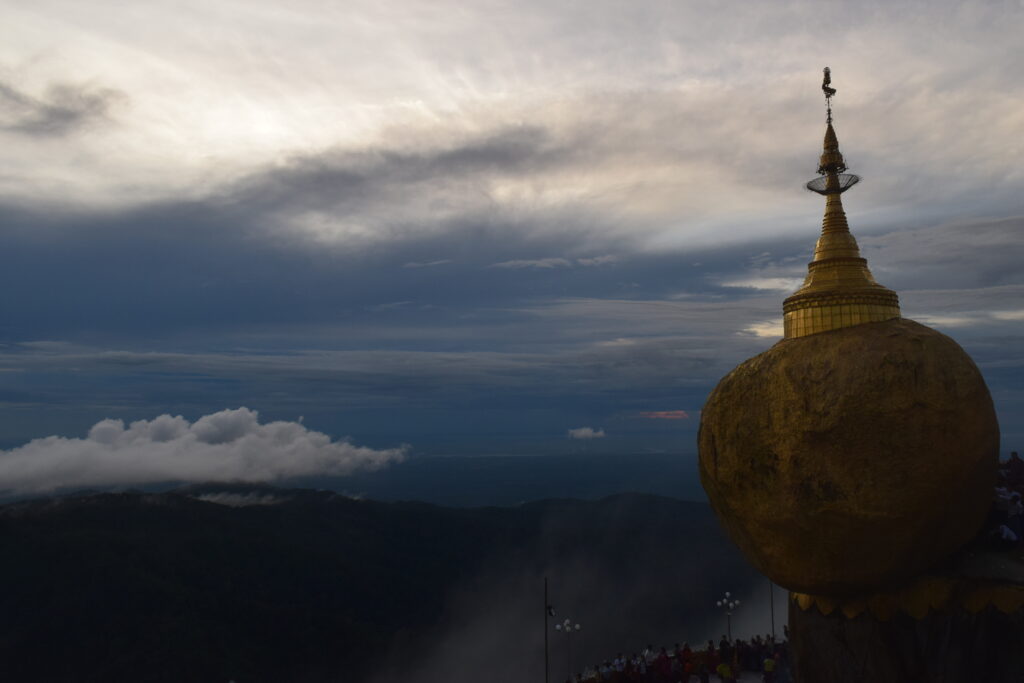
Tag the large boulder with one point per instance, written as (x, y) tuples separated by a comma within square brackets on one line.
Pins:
[(853, 459)]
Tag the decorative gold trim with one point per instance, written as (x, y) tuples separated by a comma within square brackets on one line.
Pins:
[(826, 299), (816, 319), (926, 595)]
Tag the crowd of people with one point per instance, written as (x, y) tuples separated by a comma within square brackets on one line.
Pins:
[(1006, 523), (684, 664)]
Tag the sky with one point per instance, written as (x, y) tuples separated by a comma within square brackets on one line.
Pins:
[(377, 230)]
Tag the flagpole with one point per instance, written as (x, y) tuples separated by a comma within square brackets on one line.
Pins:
[(547, 609)]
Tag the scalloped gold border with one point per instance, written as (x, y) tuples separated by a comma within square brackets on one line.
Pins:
[(939, 594)]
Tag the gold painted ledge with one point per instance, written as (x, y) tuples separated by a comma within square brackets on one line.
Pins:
[(1000, 585)]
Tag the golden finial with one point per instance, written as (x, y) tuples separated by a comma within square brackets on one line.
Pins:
[(839, 290), (829, 91)]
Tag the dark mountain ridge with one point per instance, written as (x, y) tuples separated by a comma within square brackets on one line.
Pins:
[(255, 583)]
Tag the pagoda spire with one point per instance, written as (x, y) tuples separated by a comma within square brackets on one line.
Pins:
[(839, 290)]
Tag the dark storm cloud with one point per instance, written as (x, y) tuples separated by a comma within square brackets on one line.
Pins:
[(321, 240), (63, 108), (398, 289), (669, 357), (965, 254), (394, 191)]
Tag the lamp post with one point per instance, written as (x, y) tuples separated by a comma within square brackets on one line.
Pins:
[(568, 628), (728, 604)]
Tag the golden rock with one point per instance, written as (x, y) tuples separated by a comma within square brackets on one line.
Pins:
[(852, 459)]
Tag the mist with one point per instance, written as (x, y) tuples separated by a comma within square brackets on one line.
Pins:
[(629, 584)]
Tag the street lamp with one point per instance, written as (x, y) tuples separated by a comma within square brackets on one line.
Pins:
[(568, 628), (728, 604)]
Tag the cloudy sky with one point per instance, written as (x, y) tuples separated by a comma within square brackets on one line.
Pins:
[(484, 226)]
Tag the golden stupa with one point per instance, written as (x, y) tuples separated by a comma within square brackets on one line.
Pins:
[(859, 450), (839, 290)]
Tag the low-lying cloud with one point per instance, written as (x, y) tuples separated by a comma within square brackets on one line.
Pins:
[(230, 445), (665, 415), (586, 433), (239, 500)]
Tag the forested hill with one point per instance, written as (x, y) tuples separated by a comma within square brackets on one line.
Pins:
[(264, 584)]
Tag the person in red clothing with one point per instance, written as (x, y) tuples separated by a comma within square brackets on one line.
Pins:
[(684, 662), (662, 667), (711, 658)]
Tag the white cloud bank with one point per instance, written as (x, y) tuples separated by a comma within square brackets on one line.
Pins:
[(230, 445), (586, 433), (556, 262)]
